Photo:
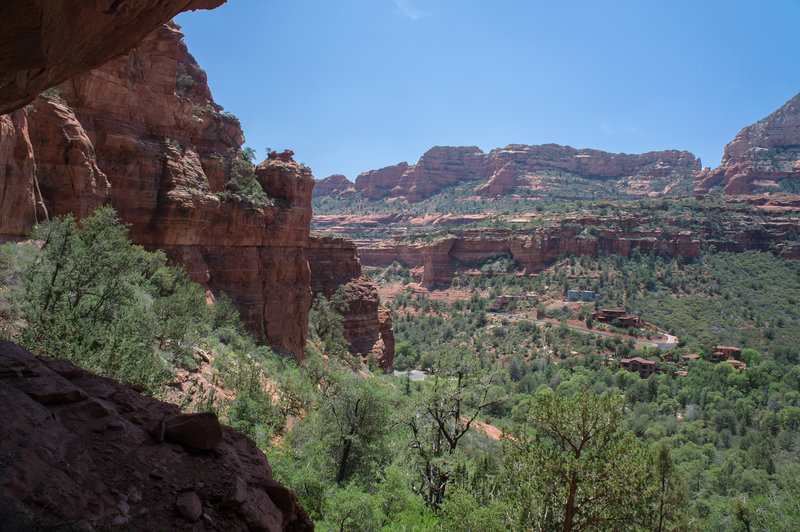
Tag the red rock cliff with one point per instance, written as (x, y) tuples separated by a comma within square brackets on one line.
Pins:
[(547, 167), (534, 249), (334, 185), (334, 263), (760, 156), (144, 133)]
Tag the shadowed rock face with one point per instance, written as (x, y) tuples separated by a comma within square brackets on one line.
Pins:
[(78, 450), (44, 42), (335, 263), (761, 155)]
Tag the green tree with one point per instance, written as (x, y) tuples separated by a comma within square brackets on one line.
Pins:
[(574, 466), (354, 413), (81, 297), (670, 488), (326, 324), (441, 416)]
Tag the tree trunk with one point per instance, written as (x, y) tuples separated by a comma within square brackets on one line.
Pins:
[(661, 504), (569, 508), (343, 464)]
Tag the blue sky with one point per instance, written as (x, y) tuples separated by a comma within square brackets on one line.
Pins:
[(353, 85)]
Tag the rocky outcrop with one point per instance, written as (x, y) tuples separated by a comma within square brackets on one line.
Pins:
[(530, 171), (143, 133), (336, 186), (440, 167), (44, 42), (335, 263), (20, 204), (377, 184), (761, 155), (78, 451), (500, 183)]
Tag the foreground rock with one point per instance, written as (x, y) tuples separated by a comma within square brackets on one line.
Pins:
[(44, 42), (78, 451), (761, 156)]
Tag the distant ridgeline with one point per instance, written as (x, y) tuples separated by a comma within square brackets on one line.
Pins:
[(461, 179)]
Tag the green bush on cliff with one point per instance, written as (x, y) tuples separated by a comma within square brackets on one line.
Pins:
[(242, 186)]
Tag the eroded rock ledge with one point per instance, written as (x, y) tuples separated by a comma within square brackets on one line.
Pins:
[(44, 42)]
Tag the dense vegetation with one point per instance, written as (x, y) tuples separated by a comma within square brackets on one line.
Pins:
[(83, 292), (586, 446)]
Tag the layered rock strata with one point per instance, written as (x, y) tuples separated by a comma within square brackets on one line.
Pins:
[(547, 168), (45, 42), (335, 263), (461, 251), (78, 451), (335, 185), (761, 155), (143, 133)]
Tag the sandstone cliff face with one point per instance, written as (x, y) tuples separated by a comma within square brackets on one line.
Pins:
[(45, 42), (439, 167), (525, 169), (335, 185), (143, 133), (78, 451), (761, 155), (19, 201), (335, 263), (377, 184), (533, 250)]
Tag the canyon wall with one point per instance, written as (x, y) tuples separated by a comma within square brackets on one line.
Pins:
[(522, 169), (463, 250), (761, 155), (144, 134)]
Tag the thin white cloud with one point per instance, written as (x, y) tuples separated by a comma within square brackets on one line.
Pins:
[(406, 9)]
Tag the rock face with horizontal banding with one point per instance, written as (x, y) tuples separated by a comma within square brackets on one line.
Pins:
[(144, 134), (335, 263), (524, 170)]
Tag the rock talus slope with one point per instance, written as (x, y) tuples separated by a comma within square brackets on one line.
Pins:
[(78, 451)]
